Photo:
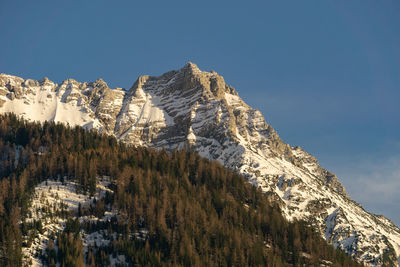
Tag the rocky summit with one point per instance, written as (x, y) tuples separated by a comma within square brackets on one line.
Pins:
[(194, 109)]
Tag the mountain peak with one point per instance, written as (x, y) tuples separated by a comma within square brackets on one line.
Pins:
[(191, 66), (100, 83), (46, 82)]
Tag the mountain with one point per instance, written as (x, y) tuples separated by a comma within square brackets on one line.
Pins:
[(197, 110)]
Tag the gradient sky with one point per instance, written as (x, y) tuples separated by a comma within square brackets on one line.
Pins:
[(325, 74)]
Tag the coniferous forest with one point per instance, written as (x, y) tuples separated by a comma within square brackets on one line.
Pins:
[(172, 208)]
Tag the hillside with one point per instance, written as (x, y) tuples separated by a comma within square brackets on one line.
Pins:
[(71, 196)]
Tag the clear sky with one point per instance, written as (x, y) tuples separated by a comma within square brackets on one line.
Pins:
[(325, 73)]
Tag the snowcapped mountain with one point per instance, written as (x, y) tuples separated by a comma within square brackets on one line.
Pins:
[(193, 109)]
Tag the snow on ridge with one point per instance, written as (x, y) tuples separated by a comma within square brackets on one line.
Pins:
[(43, 104)]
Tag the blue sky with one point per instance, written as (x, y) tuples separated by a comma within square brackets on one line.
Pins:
[(325, 74)]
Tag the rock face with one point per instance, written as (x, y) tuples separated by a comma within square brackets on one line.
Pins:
[(193, 109)]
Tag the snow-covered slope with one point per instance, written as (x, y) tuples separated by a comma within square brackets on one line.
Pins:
[(53, 202), (193, 109)]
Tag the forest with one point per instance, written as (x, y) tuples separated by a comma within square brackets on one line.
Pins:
[(172, 208)]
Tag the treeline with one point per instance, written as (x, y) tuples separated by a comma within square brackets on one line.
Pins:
[(197, 212)]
